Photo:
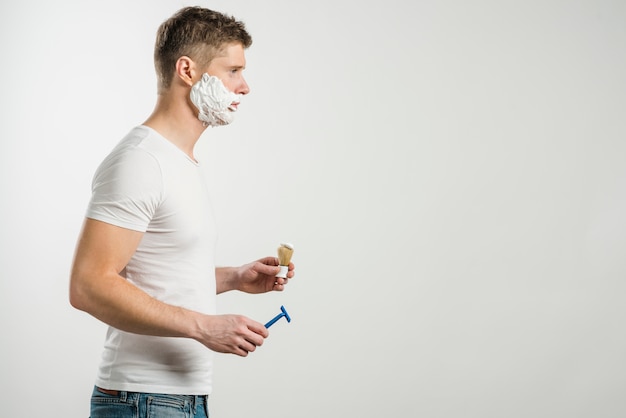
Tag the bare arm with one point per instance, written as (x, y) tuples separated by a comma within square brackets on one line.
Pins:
[(97, 288)]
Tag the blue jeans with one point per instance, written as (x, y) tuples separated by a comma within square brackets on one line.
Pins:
[(147, 405)]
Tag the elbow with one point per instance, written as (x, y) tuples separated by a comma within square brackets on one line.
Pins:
[(75, 300), (78, 296)]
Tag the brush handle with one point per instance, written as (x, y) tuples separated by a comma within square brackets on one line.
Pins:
[(283, 272)]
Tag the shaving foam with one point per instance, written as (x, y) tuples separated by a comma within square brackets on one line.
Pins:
[(213, 101)]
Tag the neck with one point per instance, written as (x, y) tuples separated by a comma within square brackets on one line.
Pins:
[(177, 122)]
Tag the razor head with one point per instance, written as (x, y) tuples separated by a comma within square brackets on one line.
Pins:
[(282, 308)]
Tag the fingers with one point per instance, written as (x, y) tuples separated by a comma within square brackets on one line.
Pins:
[(280, 283), (267, 269), (235, 334), (291, 270), (259, 330), (270, 261), (254, 338), (269, 266)]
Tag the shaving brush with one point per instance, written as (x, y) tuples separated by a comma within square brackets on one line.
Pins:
[(285, 251)]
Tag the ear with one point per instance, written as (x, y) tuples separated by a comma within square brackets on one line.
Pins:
[(185, 70)]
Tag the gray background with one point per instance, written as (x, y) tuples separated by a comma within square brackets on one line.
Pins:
[(451, 173)]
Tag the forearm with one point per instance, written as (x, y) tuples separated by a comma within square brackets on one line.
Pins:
[(226, 279), (117, 302)]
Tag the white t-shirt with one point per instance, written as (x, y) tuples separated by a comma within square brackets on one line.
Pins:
[(148, 184)]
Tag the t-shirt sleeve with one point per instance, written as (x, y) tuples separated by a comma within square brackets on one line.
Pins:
[(127, 189)]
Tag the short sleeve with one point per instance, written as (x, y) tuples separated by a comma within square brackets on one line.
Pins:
[(127, 189)]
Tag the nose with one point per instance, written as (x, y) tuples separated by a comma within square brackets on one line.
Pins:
[(243, 88)]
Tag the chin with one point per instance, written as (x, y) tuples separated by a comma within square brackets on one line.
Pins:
[(223, 119)]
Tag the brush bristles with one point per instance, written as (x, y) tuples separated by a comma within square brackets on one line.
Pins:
[(284, 255)]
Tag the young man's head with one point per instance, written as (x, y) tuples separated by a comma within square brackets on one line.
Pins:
[(198, 33)]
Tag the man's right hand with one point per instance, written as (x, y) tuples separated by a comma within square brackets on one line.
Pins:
[(234, 334)]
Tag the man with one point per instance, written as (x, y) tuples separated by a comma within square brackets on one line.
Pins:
[(144, 261)]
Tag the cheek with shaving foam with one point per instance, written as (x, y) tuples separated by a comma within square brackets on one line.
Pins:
[(213, 101)]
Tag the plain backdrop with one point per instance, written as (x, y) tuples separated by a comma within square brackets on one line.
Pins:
[(451, 173)]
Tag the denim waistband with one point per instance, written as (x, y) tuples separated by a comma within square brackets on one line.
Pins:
[(110, 397)]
